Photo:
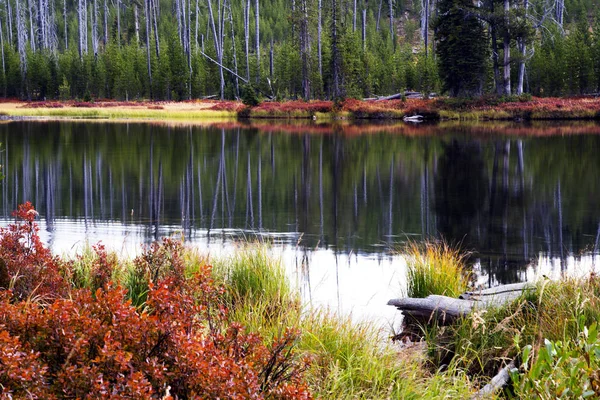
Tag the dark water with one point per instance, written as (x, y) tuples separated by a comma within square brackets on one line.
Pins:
[(511, 199)]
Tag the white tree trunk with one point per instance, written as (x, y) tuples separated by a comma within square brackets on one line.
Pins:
[(506, 74), (257, 23)]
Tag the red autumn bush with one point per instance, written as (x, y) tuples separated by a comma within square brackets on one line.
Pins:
[(178, 344), (31, 267)]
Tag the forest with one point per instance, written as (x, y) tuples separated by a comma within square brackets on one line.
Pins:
[(299, 49)]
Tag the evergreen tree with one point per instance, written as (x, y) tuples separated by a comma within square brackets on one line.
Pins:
[(461, 48)]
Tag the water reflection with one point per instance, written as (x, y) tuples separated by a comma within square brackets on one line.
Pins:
[(356, 191)]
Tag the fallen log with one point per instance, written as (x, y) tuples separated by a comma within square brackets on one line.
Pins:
[(445, 309)]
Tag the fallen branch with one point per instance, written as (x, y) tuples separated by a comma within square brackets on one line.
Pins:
[(497, 383)]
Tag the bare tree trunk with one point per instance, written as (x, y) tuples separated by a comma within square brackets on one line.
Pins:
[(31, 35), (94, 18), (425, 24), (391, 12), (364, 24), (197, 18), (136, 18), (21, 39), (335, 62), (218, 48), (379, 15), (41, 19), (560, 8), (189, 47), (506, 76), (235, 63), (9, 19), (319, 34), (65, 22), (105, 23), (304, 52), (118, 22), (247, 37), (80, 24), (178, 15), (354, 10), (154, 4), (257, 23), (148, 34), (523, 49)]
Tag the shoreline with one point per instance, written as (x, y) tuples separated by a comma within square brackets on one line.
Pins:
[(350, 110)]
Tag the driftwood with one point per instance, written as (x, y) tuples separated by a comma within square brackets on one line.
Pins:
[(445, 309), (497, 383)]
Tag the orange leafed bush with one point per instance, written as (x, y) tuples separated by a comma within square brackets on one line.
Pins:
[(84, 344)]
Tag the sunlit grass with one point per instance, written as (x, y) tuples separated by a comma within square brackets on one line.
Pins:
[(435, 268), (119, 113)]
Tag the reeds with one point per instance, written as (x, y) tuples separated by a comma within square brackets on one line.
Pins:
[(435, 268)]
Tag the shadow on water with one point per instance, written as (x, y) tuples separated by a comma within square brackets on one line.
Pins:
[(508, 192)]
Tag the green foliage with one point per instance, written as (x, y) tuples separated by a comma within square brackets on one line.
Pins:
[(461, 49), (566, 369), (249, 95)]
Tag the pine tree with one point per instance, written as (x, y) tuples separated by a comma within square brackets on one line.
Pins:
[(461, 48)]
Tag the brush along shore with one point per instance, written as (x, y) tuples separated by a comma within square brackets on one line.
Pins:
[(480, 109), (540, 340), (173, 323)]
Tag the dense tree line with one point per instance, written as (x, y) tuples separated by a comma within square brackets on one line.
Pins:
[(180, 49)]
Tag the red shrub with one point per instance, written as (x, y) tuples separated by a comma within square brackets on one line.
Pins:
[(31, 266), (178, 345)]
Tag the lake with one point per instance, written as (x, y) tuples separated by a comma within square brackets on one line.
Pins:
[(336, 203)]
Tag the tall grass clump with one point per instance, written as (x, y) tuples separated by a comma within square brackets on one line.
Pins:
[(353, 360), (257, 291), (435, 268)]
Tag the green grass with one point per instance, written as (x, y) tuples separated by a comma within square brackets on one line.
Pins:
[(435, 268), (116, 113)]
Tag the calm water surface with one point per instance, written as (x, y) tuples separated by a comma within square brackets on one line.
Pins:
[(336, 203)]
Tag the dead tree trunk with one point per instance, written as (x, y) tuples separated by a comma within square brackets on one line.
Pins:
[(235, 63), (154, 5), (257, 27), (304, 52), (218, 48), (335, 56), (506, 76), (364, 24), (148, 33), (105, 23), (9, 22), (523, 49), (247, 37), (391, 9), (319, 34), (136, 18), (119, 22), (354, 9)]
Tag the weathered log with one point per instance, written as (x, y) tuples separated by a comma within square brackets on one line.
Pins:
[(497, 383), (442, 308), (445, 309)]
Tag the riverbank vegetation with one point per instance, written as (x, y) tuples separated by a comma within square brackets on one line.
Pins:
[(167, 324), (309, 49), (549, 333), (173, 322), (523, 108)]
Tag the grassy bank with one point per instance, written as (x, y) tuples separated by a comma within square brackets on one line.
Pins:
[(173, 323), (480, 109), (550, 333)]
